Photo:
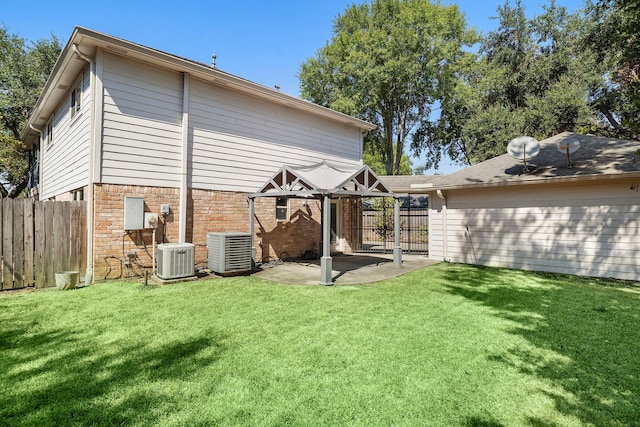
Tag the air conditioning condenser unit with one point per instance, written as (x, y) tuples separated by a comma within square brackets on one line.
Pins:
[(229, 252), (176, 260)]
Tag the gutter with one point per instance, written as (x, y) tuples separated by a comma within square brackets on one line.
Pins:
[(445, 240), (543, 180), (184, 161), (40, 132), (222, 78), (88, 279)]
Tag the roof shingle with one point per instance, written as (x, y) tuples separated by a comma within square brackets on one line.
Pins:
[(597, 157)]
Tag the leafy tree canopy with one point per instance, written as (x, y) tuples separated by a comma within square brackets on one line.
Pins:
[(532, 77), (372, 156), (614, 35), (388, 62), (24, 68)]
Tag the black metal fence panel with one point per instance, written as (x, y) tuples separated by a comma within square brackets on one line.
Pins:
[(377, 225)]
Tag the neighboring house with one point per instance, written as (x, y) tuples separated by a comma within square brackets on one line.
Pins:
[(409, 184), (119, 119), (582, 220)]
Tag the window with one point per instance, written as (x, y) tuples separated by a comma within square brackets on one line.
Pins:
[(48, 132), (76, 96), (282, 208), (78, 195)]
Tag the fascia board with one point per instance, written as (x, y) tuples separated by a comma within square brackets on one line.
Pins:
[(214, 75), (548, 180)]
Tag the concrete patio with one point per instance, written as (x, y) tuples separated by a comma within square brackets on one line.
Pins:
[(347, 269)]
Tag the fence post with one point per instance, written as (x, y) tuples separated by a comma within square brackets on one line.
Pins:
[(18, 243), (1, 245), (39, 246), (7, 244), (39, 238), (29, 247)]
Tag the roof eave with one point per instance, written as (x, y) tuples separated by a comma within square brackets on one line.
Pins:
[(89, 38), (547, 180), (66, 55)]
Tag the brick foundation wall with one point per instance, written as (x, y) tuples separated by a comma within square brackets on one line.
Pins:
[(111, 244), (207, 211), (287, 239)]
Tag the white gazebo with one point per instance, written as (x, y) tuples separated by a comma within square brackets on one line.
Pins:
[(325, 181)]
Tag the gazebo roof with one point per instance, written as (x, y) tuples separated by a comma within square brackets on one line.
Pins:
[(322, 179)]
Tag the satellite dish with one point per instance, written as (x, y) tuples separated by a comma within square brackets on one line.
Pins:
[(568, 146), (524, 147)]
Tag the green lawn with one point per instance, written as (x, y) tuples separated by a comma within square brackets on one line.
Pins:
[(446, 345)]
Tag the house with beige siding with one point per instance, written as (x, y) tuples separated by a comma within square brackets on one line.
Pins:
[(581, 219), (117, 119)]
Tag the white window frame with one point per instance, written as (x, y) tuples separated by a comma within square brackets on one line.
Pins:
[(48, 132), (75, 98), (284, 207)]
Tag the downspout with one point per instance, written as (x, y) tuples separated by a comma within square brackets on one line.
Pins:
[(184, 161), (88, 278), (252, 210), (40, 142), (445, 239)]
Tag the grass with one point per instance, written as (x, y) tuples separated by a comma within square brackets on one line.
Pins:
[(447, 345)]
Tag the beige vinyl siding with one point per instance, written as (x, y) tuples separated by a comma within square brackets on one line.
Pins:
[(436, 241), (239, 141), (142, 123), (587, 229), (65, 161)]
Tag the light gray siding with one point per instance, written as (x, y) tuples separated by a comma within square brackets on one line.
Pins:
[(240, 141), (586, 229), (65, 161), (142, 123), (236, 141)]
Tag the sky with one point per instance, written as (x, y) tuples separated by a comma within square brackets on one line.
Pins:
[(262, 41)]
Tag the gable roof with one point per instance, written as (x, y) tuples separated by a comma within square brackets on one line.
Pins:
[(597, 158), (69, 65), (323, 179)]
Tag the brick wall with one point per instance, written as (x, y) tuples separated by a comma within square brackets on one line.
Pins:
[(207, 211), (111, 243), (287, 239)]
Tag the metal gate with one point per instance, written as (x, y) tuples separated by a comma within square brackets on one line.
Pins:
[(376, 230)]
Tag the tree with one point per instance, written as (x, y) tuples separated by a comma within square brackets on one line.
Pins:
[(24, 68), (388, 62), (372, 156), (615, 37), (532, 77)]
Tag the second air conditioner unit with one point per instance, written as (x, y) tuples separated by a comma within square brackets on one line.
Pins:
[(176, 260), (229, 252)]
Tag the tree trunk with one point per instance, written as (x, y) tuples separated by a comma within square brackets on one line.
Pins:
[(17, 189), (388, 145), (399, 152), (610, 117)]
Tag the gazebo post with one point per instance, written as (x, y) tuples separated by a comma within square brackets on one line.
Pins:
[(252, 229), (325, 260), (397, 249)]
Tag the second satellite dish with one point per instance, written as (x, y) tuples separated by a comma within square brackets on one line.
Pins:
[(524, 148), (568, 146)]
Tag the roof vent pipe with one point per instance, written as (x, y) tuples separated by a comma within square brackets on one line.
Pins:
[(213, 60)]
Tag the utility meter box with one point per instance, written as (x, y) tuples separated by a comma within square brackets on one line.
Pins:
[(133, 213), (150, 220)]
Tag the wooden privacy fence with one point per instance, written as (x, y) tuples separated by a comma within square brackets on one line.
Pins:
[(38, 239)]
